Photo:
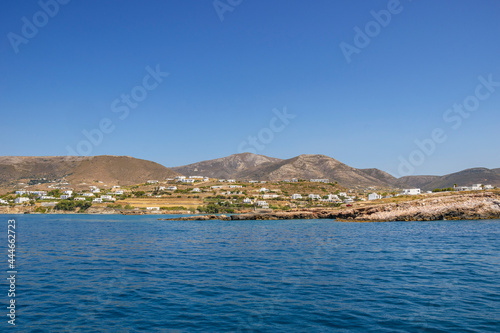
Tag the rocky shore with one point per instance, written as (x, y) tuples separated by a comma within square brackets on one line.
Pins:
[(453, 207)]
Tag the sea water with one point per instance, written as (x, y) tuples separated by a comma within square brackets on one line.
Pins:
[(98, 273)]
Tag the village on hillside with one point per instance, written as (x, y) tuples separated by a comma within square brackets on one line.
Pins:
[(200, 194)]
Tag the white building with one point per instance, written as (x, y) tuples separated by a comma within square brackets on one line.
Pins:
[(68, 192), (222, 180), (296, 196), (21, 200), (196, 177), (488, 187), (231, 181), (21, 192), (319, 180), (80, 199), (107, 198), (270, 196), (153, 208), (97, 200), (477, 187), (88, 194), (314, 196), (253, 181), (348, 201), (264, 190), (172, 188), (206, 179), (152, 182), (374, 196), (247, 201), (333, 197), (179, 178), (197, 190), (215, 187), (411, 191), (235, 186), (262, 204), (46, 197), (119, 192), (65, 197), (4, 202), (343, 194)]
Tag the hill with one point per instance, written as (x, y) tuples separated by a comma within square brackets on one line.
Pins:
[(466, 178), (122, 170), (250, 166), (226, 167)]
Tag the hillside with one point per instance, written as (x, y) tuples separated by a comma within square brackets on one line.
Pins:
[(226, 167), (121, 170), (417, 181), (250, 166), (466, 178)]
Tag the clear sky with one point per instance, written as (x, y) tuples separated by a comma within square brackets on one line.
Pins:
[(360, 97)]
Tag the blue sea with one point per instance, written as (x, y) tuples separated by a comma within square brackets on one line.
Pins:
[(97, 273)]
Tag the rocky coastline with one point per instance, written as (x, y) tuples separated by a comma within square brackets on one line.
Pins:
[(464, 207)]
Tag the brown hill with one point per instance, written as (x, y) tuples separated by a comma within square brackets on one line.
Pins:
[(226, 167), (250, 166), (466, 178), (417, 181), (382, 176), (121, 170)]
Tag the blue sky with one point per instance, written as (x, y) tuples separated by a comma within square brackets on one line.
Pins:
[(225, 78)]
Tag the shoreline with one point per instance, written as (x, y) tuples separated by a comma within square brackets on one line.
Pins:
[(474, 206)]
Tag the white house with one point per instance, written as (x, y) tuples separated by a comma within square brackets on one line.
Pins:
[(68, 192), (79, 199), (46, 197), (206, 179), (172, 188), (107, 198), (235, 186), (119, 192), (247, 201), (314, 196), (222, 180), (96, 190), (197, 190), (374, 196), (270, 196), (411, 191), (319, 180), (488, 187), (21, 192), (88, 194), (97, 200), (215, 187), (342, 194), (262, 204), (65, 196), (264, 190), (152, 182), (21, 200), (231, 181), (196, 177), (296, 196), (477, 187), (333, 197), (4, 202), (179, 178), (348, 201), (253, 181), (153, 208)]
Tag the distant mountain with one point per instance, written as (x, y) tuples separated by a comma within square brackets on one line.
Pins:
[(122, 170), (226, 167), (466, 178), (250, 166), (417, 181)]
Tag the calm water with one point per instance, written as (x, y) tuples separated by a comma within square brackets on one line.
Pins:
[(127, 274)]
